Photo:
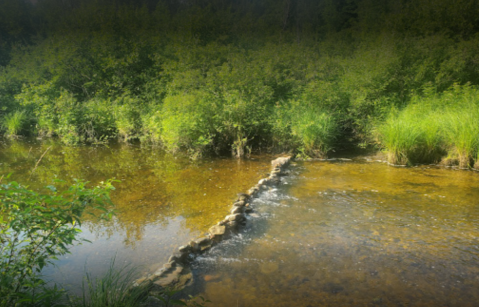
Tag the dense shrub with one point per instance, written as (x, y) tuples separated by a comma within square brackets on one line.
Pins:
[(116, 70)]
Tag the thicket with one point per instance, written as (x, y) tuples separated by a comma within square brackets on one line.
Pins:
[(228, 76)]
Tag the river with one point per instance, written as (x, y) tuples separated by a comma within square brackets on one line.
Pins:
[(334, 233)]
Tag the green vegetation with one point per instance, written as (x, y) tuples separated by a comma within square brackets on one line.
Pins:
[(434, 127), (14, 123), (34, 230), (229, 76)]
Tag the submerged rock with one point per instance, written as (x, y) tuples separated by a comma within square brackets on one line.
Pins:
[(239, 203), (236, 217), (280, 162), (243, 196), (175, 278), (217, 230), (184, 249), (236, 210)]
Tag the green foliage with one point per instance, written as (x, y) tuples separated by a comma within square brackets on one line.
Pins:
[(309, 129), (37, 228), (187, 123), (127, 69), (433, 125), (14, 123), (460, 127), (98, 120), (127, 117)]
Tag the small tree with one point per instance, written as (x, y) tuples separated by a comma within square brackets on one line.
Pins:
[(37, 228)]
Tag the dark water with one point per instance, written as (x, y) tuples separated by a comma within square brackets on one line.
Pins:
[(162, 201), (353, 234)]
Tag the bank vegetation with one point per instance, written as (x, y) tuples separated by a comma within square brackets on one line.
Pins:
[(217, 77)]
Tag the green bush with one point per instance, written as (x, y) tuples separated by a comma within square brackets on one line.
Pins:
[(316, 130), (304, 128), (187, 123), (412, 135), (70, 119), (460, 127), (127, 114), (37, 228), (40, 101), (99, 120), (151, 125)]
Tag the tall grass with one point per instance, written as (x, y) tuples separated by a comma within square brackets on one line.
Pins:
[(305, 128), (113, 289), (461, 132), (433, 127), (14, 123), (316, 132), (411, 136)]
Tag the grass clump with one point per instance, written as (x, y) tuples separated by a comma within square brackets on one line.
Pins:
[(461, 131), (411, 136), (112, 289), (434, 127), (14, 123), (308, 129)]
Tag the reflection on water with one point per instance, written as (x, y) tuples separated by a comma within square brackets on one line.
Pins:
[(354, 234), (162, 201)]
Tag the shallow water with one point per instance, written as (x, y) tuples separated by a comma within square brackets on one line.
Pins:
[(162, 201), (353, 234)]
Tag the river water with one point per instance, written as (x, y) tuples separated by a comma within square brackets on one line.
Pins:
[(353, 234), (162, 201), (334, 233)]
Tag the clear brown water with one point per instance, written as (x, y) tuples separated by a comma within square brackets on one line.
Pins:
[(353, 234), (333, 234), (162, 201)]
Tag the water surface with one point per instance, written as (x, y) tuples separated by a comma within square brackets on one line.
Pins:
[(162, 200), (353, 234)]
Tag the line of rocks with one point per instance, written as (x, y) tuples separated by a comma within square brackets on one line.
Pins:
[(176, 274)]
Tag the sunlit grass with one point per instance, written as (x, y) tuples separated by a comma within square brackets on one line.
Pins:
[(433, 127), (461, 132), (316, 132), (411, 136), (14, 123)]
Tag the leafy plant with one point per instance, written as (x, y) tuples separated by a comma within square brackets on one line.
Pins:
[(37, 228)]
